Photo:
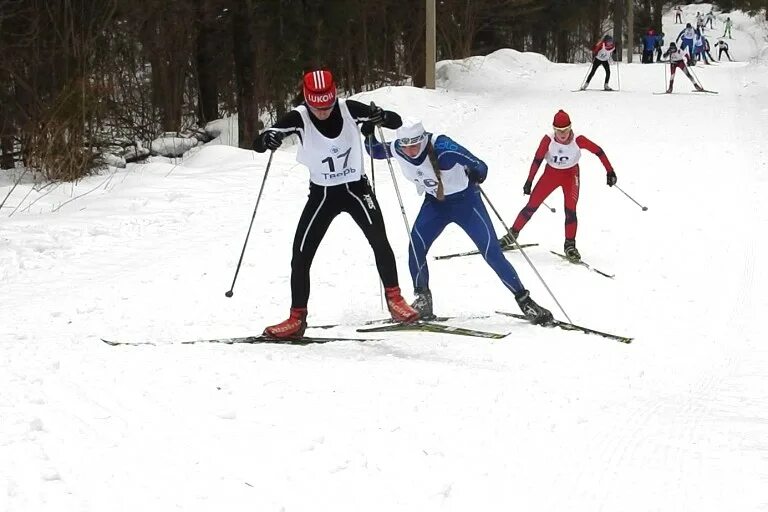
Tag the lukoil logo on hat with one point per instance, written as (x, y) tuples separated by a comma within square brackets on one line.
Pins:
[(319, 89)]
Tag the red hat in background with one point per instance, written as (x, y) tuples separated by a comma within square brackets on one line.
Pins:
[(562, 120), (319, 89)]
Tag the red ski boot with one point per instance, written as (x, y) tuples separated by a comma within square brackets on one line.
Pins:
[(294, 327), (398, 308)]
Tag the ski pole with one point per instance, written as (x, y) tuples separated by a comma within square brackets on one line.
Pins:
[(584, 80), (400, 201), (258, 199), (548, 207), (370, 150), (645, 208), (695, 77), (397, 191), (13, 187), (618, 75), (373, 187), (506, 229)]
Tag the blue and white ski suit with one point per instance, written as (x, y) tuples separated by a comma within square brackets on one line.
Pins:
[(462, 205), (688, 34)]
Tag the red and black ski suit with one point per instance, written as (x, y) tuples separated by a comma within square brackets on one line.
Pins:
[(562, 170)]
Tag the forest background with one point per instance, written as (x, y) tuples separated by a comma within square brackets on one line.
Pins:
[(81, 79)]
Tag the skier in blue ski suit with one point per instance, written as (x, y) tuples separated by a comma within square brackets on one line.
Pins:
[(688, 34), (449, 175)]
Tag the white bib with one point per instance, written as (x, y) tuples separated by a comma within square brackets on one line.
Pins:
[(603, 54), (423, 176), (677, 56), (331, 161), (563, 156)]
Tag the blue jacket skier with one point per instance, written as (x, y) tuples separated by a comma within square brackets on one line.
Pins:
[(448, 174), (688, 34), (649, 44)]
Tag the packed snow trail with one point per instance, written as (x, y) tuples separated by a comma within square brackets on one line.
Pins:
[(542, 420)]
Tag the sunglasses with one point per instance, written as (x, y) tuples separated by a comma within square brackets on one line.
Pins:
[(411, 141), (562, 130), (323, 109)]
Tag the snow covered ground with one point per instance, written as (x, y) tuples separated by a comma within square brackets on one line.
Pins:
[(543, 420)]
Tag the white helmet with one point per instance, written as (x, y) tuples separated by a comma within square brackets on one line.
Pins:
[(411, 132)]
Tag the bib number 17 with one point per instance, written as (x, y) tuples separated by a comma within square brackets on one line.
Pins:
[(329, 160)]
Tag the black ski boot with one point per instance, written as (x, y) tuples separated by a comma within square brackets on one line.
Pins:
[(533, 312), (509, 239), (423, 303), (571, 252)]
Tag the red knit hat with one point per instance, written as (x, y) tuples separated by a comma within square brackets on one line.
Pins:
[(562, 120), (319, 89)]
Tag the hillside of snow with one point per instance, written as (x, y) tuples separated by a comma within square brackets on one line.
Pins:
[(542, 420)]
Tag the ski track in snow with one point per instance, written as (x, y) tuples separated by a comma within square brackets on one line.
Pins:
[(543, 420)]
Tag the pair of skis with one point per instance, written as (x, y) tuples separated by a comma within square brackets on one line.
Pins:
[(584, 264), (511, 248), (431, 327), (419, 326), (386, 326), (472, 253), (695, 90)]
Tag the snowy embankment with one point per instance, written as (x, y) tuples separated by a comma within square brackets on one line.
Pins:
[(543, 420)]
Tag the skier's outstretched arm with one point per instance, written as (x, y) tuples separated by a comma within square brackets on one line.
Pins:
[(450, 153), (541, 152), (272, 137), (362, 113), (375, 148), (585, 143)]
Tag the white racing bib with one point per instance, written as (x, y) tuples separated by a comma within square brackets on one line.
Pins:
[(331, 161), (563, 156), (424, 177), (603, 54)]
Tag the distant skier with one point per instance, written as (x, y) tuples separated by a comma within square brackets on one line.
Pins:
[(728, 25), (678, 14), (649, 43), (710, 19), (699, 52), (658, 45), (707, 49), (562, 154), (448, 173), (699, 21), (688, 34), (677, 58), (723, 49), (330, 146), (601, 55)]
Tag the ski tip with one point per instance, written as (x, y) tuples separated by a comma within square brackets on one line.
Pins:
[(113, 343)]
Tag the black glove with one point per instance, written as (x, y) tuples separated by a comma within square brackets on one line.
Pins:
[(367, 128), (273, 139), (475, 175), (527, 188), (611, 178), (377, 115)]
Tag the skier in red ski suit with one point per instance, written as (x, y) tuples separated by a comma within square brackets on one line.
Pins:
[(562, 153)]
